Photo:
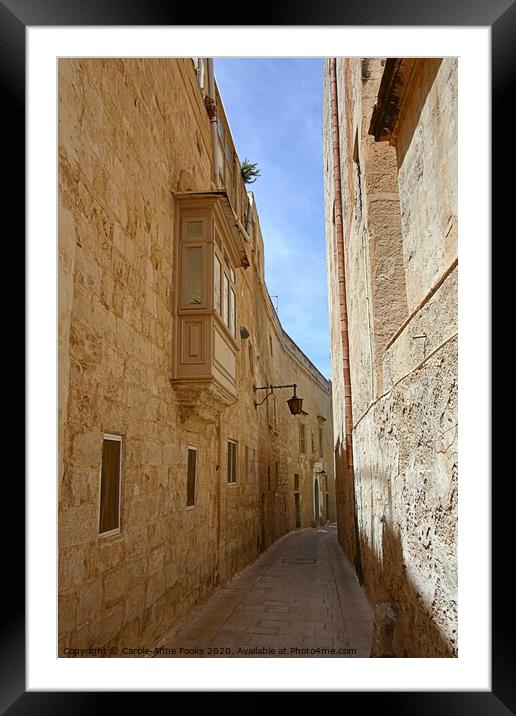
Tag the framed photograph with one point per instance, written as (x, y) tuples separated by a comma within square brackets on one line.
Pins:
[(202, 481)]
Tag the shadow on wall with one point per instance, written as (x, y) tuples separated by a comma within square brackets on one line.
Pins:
[(412, 631), (411, 114), (406, 628)]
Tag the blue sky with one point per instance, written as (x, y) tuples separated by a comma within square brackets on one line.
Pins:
[(274, 108)]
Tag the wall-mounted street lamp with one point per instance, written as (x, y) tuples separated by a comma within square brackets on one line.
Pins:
[(295, 403)]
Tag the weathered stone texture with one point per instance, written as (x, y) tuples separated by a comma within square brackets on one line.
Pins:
[(132, 132), (401, 275)]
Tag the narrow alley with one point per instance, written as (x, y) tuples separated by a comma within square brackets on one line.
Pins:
[(299, 599), (258, 384)]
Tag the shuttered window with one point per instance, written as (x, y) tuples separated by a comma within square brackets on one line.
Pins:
[(302, 447), (232, 461), (191, 474), (109, 521)]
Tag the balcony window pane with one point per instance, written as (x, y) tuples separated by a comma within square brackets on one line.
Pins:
[(232, 312), (225, 306), (194, 229), (216, 283), (193, 276)]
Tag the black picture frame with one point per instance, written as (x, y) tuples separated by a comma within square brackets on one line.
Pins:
[(500, 15)]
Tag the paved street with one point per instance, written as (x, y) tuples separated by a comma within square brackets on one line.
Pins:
[(299, 599)]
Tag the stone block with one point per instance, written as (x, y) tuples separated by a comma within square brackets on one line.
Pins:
[(155, 588), (90, 601), (115, 584)]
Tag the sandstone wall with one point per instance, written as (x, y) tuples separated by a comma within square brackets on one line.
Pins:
[(400, 251), (130, 133)]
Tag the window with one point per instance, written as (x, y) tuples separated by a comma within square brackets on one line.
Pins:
[(302, 447), (320, 442), (110, 479), (251, 359), (232, 311), (232, 461), (224, 302), (271, 412), (276, 477), (216, 283), (270, 344), (313, 441), (193, 288), (246, 462), (191, 475), (296, 483)]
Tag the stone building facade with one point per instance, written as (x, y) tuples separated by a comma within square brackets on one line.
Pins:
[(390, 168), (171, 480)]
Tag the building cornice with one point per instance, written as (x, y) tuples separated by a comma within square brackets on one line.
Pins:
[(398, 75)]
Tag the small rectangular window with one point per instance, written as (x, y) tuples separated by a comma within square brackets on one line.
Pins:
[(232, 461), (320, 442), (109, 520), (296, 483), (251, 359), (276, 478), (302, 447), (191, 475), (271, 412)]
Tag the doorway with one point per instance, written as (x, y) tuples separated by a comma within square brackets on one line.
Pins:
[(297, 499), (262, 515)]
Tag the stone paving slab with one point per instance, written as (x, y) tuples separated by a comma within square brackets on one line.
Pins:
[(300, 598)]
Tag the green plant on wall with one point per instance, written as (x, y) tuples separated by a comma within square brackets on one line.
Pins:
[(249, 171)]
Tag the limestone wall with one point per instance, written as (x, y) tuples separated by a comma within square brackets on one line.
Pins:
[(399, 204), (131, 132)]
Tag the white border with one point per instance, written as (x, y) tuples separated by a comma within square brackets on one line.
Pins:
[(471, 670)]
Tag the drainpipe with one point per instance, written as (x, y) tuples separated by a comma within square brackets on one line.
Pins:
[(218, 478), (210, 102), (340, 262), (341, 274)]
